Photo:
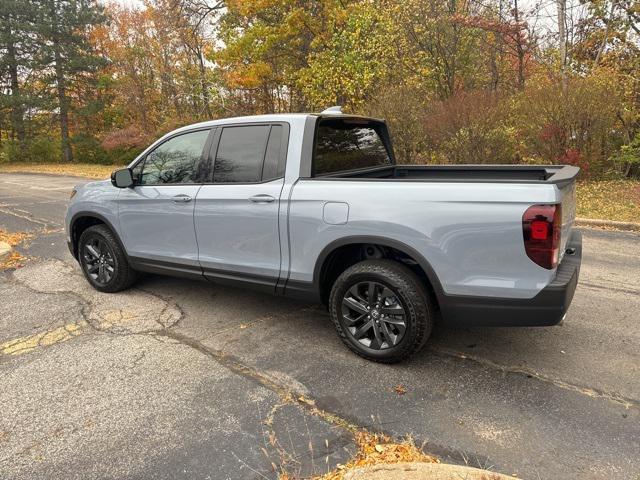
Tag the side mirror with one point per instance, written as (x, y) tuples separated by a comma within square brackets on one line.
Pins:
[(122, 178)]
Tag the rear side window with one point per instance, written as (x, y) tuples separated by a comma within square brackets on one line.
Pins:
[(241, 154), (343, 144), (273, 158), (175, 161)]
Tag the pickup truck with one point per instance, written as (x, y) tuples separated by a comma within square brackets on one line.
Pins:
[(314, 206)]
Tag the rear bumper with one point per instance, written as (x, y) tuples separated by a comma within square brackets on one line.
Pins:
[(547, 308)]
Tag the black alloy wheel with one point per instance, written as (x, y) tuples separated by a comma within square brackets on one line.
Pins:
[(99, 261), (374, 315), (103, 260)]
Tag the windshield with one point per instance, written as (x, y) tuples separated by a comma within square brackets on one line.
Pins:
[(348, 144)]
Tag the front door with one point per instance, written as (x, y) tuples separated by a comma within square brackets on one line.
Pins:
[(236, 215), (156, 215)]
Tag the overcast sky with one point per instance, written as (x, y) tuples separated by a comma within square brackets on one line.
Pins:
[(546, 21)]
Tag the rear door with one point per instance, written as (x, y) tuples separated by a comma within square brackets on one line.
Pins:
[(156, 215), (236, 214)]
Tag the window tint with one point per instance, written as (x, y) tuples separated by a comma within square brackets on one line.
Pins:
[(240, 154), (273, 160), (175, 161), (346, 145)]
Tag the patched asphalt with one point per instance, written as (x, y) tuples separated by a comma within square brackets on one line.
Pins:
[(184, 379)]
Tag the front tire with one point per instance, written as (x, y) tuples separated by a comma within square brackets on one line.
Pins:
[(103, 261), (381, 310)]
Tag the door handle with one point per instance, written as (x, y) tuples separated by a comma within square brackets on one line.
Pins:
[(182, 198), (262, 198)]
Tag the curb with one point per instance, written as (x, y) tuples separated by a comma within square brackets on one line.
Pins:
[(423, 471), (590, 222), (5, 248)]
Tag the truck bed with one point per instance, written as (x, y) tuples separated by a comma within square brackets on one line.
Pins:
[(552, 174)]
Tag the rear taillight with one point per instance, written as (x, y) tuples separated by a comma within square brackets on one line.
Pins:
[(541, 230)]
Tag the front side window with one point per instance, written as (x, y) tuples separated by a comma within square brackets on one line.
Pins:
[(175, 161), (241, 154), (343, 144)]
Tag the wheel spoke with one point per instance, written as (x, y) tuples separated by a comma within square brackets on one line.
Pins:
[(389, 337), (371, 293), (93, 268), (392, 309), (356, 294), (376, 342), (93, 252), (393, 321), (359, 333), (354, 304)]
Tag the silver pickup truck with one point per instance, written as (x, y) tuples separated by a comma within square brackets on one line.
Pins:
[(314, 206)]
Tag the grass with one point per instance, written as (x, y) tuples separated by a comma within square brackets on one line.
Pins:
[(599, 199), (609, 200), (88, 170), (374, 449)]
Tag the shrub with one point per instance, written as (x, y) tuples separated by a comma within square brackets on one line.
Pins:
[(11, 152), (88, 149), (627, 159)]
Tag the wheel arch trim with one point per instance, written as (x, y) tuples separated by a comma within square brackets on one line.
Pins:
[(84, 214), (385, 242)]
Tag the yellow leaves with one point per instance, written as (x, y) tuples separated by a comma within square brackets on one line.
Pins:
[(609, 200), (13, 259), (379, 449), (400, 389), (249, 76)]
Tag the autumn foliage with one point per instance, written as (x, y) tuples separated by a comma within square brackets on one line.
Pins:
[(460, 81)]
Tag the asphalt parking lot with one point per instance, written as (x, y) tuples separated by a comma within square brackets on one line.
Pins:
[(185, 379)]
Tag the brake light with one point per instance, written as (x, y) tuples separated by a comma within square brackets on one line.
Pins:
[(541, 228)]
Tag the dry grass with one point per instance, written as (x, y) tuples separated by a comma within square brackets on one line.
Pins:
[(14, 259), (609, 200), (87, 170), (376, 449)]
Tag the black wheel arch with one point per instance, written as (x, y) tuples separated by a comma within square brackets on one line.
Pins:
[(87, 219), (331, 248)]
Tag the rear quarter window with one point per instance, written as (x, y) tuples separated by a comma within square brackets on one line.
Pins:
[(343, 144)]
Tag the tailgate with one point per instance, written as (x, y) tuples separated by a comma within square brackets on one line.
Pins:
[(568, 202)]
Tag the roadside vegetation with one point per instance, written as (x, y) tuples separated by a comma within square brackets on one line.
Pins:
[(87, 170), (378, 450)]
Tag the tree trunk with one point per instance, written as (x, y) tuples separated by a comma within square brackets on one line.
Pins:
[(519, 46), (63, 103), (17, 110), (204, 84), (562, 39)]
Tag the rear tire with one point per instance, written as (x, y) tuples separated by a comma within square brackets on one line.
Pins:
[(381, 310), (103, 261)]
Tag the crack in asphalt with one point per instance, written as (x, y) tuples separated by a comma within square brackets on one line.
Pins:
[(30, 218), (613, 289), (584, 390)]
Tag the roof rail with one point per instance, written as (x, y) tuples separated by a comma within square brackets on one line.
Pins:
[(336, 110)]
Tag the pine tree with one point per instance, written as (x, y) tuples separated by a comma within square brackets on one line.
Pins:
[(66, 53), (16, 48)]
